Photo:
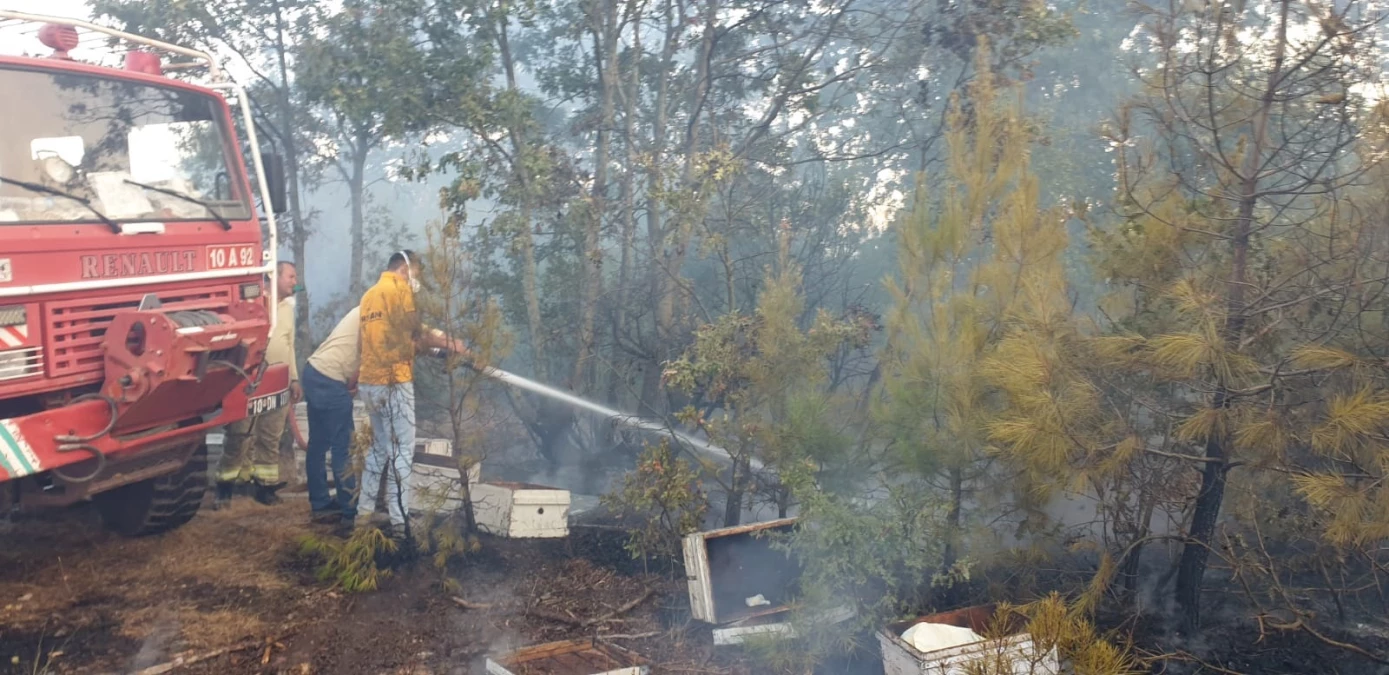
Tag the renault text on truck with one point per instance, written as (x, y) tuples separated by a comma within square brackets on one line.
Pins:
[(133, 310)]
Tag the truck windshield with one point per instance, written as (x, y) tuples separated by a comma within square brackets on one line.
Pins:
[(131, 150)]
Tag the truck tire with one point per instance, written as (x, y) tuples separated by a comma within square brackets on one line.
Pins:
[(157, 504)]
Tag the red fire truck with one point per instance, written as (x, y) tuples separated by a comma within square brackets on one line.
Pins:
[(134, 312)]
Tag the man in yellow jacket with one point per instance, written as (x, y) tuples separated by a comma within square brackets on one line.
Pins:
[(391, 332), (252, 449)]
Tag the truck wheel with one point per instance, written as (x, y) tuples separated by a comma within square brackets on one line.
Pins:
[(157, 504)]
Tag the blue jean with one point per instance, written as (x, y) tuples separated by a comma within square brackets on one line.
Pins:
[(392, 410), (330, 432)]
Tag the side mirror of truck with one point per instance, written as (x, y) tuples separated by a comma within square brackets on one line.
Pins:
[(275, 182)]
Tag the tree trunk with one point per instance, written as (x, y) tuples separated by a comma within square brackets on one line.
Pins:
[(469, 516), (954, 520), (299, 233), (356, 281), (1191, 568), (604, 26), (525, 237), (651, 402), (675, 244), (733, 501), (1131, 565), (629, 210)]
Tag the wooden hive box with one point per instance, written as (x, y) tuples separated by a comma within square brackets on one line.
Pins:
[(435, 486), (571, 657), (1013, 654), (521, 510), (725, 567)]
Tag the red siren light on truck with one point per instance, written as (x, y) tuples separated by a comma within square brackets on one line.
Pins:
[(143, 62), (59, 37)]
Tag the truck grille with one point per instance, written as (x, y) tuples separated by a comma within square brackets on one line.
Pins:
[(76, 328)]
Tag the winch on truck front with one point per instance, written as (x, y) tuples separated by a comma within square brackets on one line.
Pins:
[(133, 308)]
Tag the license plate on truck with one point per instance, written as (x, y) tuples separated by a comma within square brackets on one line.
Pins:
[(264, 404)]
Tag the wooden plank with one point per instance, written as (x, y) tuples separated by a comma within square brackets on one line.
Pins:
[(600, 659), (440, 461), (751, 613), (545, 650), (512, 485), (585, 656), (627, 656), (978, 618), (697, 576), (569, 663)]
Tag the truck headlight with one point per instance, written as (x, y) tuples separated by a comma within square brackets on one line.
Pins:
[(13, 315), (17, 363)]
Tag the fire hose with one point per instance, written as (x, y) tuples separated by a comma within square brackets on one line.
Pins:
[(299, 439)]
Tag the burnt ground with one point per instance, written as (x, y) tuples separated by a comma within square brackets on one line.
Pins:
[(232, 593), (231, 588)]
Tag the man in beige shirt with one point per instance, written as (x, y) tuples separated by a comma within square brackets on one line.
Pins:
[(252, 450), (330, 382)]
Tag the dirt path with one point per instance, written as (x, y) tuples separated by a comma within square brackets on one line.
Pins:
[(75, 599)]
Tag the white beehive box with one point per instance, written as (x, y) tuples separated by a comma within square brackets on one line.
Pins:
[(1014, 654), (738, 632), (360, 418), (571, 657), (724, 567), (435, 486), (521, 510)]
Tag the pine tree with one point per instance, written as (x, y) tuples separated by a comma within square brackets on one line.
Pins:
[(978, 255), (1240, 340), (765, 374)]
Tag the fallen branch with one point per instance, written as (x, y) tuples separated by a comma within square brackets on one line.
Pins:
[(184, 660), (470, 605), (625, 608), (190, 659), (555, 616), (585, 623), (1356, 649), (634, 636)]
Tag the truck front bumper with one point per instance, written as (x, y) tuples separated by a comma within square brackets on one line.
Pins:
[(66, 453)]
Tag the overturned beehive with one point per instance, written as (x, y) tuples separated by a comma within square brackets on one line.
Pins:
[(521, 510), (1012, 653), (571, 657), (743, 584), (727, 567)]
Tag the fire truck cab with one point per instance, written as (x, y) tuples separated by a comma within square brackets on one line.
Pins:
[(134, 308)]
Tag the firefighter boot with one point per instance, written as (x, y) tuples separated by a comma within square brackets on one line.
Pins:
[(224, 495), (265, 494)]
